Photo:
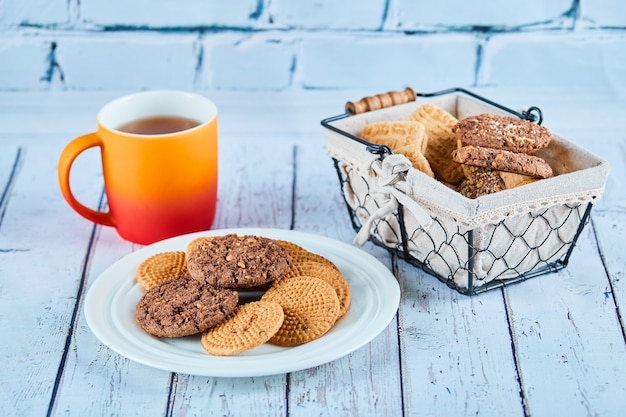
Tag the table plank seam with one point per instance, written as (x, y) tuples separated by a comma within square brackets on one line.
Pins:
[(170, 394), (612, 289), (294, 184), (516, 363), (75, 311), (394, 269), (4, 197)]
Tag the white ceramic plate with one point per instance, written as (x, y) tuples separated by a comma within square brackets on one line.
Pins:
[(110, 313)]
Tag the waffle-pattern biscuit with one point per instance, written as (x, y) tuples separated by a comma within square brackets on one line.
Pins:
[(483, 181), (311, 307), (503, 132), (438, 125), (251, 325), (501, 160), (234, 261), (329, 274), (298, 254), (395, 134), (183, 306), (161, 267)]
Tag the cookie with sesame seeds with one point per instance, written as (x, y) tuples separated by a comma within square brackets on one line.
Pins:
[(502, 132)]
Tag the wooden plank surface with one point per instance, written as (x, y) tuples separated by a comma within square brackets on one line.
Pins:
[(44, 247), (553, 345)]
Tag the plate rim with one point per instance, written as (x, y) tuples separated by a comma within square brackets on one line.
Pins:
[(101, 326)]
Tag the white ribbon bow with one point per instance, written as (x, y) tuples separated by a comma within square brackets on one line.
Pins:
[(395, 181)]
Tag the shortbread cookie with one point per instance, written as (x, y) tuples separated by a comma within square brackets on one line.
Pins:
[(438, 119), (183, 306), (438, 125), (329, 274), (251, 325), (503, 132), (395, 134), (417, 158), (311, 307), (234, 261), (161, 267), (483, 181), (503, 161), (512, 180)]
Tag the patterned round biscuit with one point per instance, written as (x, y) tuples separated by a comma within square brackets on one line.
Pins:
[(298, 254), (329, 274), (233, 261), (311, 307), (160, 268), (503, 132), (251, 325), (183, 306)]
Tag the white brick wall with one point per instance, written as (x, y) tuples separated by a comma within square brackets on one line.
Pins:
[(310, 44)]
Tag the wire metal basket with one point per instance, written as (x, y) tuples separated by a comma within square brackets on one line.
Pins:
[(469, 260)]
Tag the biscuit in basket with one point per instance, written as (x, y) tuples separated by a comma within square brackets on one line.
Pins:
[(417, 158), (251, 325), (482, 181), (329, 274), (501, 160), (438, 125), (503, 132), (467, 169), (161, 267), (311, 307), (395, 134), (512, 180), (182, 307), (233, 261)]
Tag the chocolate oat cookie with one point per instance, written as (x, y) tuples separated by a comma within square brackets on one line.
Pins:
[(183, 306), (502, 160), (502, 132), (483, 181), (234, 261)]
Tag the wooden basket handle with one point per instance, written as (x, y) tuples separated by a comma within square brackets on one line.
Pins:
[(380, 101)]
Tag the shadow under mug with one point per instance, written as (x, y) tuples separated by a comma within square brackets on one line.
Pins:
[(157, 186)]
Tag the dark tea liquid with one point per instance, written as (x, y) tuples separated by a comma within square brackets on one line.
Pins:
[(158, 125)]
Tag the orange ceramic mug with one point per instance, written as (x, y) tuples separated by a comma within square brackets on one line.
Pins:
[(157, 185)]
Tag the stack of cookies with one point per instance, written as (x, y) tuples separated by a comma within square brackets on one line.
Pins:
[(497, 145), (476, 156), (197, 291)]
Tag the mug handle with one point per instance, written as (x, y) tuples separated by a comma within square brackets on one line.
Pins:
[(69, 154)]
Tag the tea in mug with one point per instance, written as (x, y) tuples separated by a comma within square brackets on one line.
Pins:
[(158, 125)]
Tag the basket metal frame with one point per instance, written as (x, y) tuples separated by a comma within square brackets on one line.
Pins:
[(533, 114)]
